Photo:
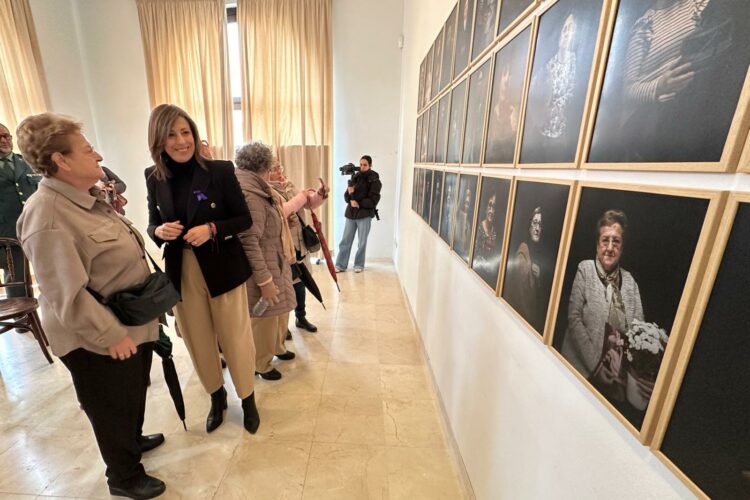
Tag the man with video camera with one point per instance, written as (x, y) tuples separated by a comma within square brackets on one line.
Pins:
[(362, 196)]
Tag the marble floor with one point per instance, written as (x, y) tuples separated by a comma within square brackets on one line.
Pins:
[(354, 416)]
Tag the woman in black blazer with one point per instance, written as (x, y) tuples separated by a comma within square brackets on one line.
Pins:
[(196, 209)]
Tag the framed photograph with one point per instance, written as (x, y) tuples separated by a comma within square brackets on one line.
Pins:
[(447, 206), (428, 77), (418, 141), (484, 26), (534, 246), (489, 234), (674, 92), (437, 197), (626, 288), (703, 431), (425, 130), (431, 133), (415, 189), (420, 92), (466, 202), (479, 82), (455, 128), (437, 61), (449, 45), (505, 104), (513, 12), (442, 128), (427, 196), (561, 78), (463, 36)]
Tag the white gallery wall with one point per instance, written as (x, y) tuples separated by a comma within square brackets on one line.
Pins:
[(366, 104), (524, 425)]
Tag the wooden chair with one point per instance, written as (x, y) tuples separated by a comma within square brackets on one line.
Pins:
[(19, 312)]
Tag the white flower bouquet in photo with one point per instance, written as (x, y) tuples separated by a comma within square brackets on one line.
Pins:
[(645, 348)]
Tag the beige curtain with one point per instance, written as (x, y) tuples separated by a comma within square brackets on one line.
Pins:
[(287, 86), (184, 42), (23, 90)]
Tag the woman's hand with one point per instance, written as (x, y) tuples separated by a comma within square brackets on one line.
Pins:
[(123, 349), (169, 231), (270, 292), (324, 189), (198, 235), (354, 203), (645, 386), (674, 80)]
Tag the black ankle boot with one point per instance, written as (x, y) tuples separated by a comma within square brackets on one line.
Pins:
[(251, 418), (305, 325), (216, 414)]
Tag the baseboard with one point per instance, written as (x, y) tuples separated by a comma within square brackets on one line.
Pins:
[(453, 450)]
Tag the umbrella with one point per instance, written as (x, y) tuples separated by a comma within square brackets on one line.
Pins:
[(324, 247), (163, 348), (303, 273)]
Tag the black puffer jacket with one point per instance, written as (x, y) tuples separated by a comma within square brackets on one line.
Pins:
[(366, 193)]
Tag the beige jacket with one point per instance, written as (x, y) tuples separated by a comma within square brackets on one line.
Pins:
[(74, 240)]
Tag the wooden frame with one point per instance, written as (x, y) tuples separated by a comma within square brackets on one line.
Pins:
[(744, 164), (449, 81), (462, 123), (437, 57), (473, 215), (493, 41), (590, 89), (470, 63), (432, 132), (440, 225), (510, 36), (682, 360), (506, 228), (564, 235), (432, 198), (732, 147), (448, 97), (708, 231), (488, 57), (518, 20)]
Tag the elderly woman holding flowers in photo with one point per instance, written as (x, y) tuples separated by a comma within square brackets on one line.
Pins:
[(604, 302)]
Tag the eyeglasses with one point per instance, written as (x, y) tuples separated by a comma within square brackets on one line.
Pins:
[(7, 137)]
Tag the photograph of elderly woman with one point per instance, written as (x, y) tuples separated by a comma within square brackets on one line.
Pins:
[(449, 44), (484, 26), (673, 79), (431, 134), (628, 262), (563, 58), (456, 123), (505, 103), (447, 206), (465, 203), (510, 10), (442, 129), (536, 228), (463, 35), (488, 237), (477, 102), (427, 196), (437, 191), (708, 433)]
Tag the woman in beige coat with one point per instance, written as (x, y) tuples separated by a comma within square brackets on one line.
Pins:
[(270, 250)]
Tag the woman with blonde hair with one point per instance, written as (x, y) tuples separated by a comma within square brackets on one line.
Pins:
[(269, 247), (76, 243), (196, 210)]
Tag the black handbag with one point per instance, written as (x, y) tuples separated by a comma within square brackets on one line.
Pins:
[(144, 302), (309, 236)]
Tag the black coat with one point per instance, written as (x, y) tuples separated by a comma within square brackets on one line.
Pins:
[(366, 193), (15, 189), (222, 262)]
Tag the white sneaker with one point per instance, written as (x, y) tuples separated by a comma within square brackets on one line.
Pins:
[(358, 269), (339, 270)]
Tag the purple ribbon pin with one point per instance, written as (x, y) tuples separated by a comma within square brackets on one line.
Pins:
[(200, 196)]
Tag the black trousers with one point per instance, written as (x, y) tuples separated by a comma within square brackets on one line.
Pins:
[(299, 291), (113, 395)]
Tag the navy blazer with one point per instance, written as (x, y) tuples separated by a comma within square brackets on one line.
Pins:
[(222, 262)]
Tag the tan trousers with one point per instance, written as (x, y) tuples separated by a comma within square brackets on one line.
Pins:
[(269, 335), (204, 321)]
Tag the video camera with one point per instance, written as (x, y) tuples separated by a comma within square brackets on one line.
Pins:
[(349, 169)]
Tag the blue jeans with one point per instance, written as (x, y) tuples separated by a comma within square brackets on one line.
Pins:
[(361, 226)]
